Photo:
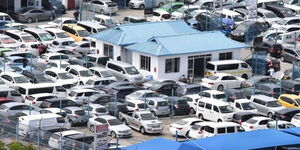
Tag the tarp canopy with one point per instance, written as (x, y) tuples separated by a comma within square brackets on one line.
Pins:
[(155, 144), (247, 140), (293, 131)]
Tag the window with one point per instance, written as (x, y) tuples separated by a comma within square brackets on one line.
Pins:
[(201, 104), (259, 101), (208, 106), (221, 130), (225, 56), (244, 65), (230, 129), (172, 65), (287, 100), (108, 50), (263, 122), (227, 67), (145, 63), (216, 109), (151, 103)]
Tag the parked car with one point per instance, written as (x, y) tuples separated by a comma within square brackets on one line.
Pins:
[(272, 47), (258, 80), (92, 27), (221, 81), (81, 73), (296, 119), (30, 15), (76, 32), (37, 99), (122, 91), (132, 19), (81, 95), (102, 6), (97, 59), (58, 22), (280, 125), (289, 100), (59, 34), (280, 12), (56, 140), (102, 73), (178, 105), (190, 89), (62, 77), (98, 83), (183, 126), (171, 7), (8, 42), (82, 47), (240, 117), (256, 123), (260, 66), (165, 88), (80, 62), (158, 106), (25, 39), (136, 105), (269, 89), (266, 105), (234, 94), (159, 15), (290, 54), (244, 105), (76, 115), (13, 108), (141, 4), (59, 102), (101, 99), (36, 77), (114, 108), (45, 58), (105, 20), (142, 95), (286, 114), (84, 141), (247, 30)]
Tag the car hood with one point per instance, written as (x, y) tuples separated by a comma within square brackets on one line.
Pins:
[(152, 122), (121, 127), (276, 108)]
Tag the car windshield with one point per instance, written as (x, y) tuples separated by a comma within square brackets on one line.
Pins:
[(251, 121), (298, 101), (100, 110), (147, 116), (152, 95), (162, 103), (65, 75), (242, 27), (86, 73), (287, 13), (83, 33), (226, 109), (213, 77), (111, 21), (248, 106), (21, 80), (237, 18), (167, 6), (80, 112), (28, 39), (7, 41), (131, 70), (46, 37), (270, 15), (114, 122), (273, 104), (62, 35), (106, 74), (43, 78), (219, 96)]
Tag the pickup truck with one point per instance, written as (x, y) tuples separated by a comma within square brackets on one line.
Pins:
[(142, 121), (243, 105)]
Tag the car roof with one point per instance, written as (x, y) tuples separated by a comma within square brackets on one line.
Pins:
[(80, 90), (157, 99), (107, 117), (40, 116), (78, 67), (96, 55), (74, 26), (55, 30), (4, 36), (260, 118), (244, 100), (98, 68), (214, 102), (292, 96), (42, 94), (96, 105), (102, 16), (222, 74), (56, 70), (136, 101), (36, 30), (73, 108), (68, 132), (11, 104), (213, 91), (54, 110), (92, 24), (222, 62), (12, 74), (191, 119), (18, 32), (123, 64), (222, 124), (264, 97)]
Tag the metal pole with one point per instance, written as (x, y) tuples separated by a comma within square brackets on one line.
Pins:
[(59, 60), (31, 64), (172, 103), (293, 71), (117, 144), (17, 130), (145, 100), (176, 136), (115, 105), (39, 129), (80, 14), (276, 126)]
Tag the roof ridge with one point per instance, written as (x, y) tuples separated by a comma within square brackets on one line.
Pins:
[(143, 23), (183, 34)]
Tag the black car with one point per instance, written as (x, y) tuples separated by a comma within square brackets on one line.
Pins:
[(240, 117), (271, 47), (58, 7), (206, 22), (102, 99), (286, 114), (81, 62), (280, 12), (247, 30), (59, 102), (35, 76), (178, 105), (233, 94), (190, 89), (122, 91), (270, 89), (291, 86), (165, 88), (115, 107)]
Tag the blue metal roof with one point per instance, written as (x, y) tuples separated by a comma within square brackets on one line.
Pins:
[(186, 44), (140, 32)]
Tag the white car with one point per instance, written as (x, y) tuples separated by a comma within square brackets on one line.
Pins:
[(280, 125), (58, 22), (82, 47), (81, 73), (296, 120), (54, 111), (94, 110), (213, 94), (58, 34), (115, 127), (143, 94), (26, 40), (61, 43), (243, 105), (140, 4), (197, 129), (221, 81), (103, 73), (13, 79), (37, 99), (102, 6), (45, 58), (12, 108), (136, 105), (181, 12), (256, 123), (8, 42), (58, 138), (62, 77), (159, 15), (183, 126), (58, 64), (81, 95)]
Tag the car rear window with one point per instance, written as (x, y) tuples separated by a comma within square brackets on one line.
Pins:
[(143, 106), (100, 110), (181, 102), (3, 94), (80, 112), (162, 103), (181, 122), (46, 97), (61, 120), (251, 121)]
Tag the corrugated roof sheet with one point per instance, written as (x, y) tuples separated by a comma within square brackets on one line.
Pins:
[(186, 43), (140, 32)]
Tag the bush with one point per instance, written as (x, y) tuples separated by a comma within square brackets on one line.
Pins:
[(20, 146), (2, 146)]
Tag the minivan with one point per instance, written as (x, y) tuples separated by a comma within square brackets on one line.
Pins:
[(11, 94), (214, 128), (124, 72), (29, 89), (97, 59), (92, 27), (29, 125), (235, 67), (42, 36), (214, 110)]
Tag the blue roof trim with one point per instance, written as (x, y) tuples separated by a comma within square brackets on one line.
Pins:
[(186, 44), (140, 32)]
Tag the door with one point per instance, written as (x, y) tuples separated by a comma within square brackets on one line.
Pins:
[(71, 4), (199, 67)]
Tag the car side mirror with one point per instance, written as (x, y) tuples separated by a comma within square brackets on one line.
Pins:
[(122, 72)]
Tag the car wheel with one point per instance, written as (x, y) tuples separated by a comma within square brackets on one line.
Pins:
[(200, 116), (29, 20), (245, 76), (193, 111), (219, 120), (51, 18), (160, 4), (102, 12), (270, 115), (142, 130), (80, 83), (220, 88), (126, 80), (142, 6), (124, 121), (92, 128), (113, 134), (71, 123), (188, 134)]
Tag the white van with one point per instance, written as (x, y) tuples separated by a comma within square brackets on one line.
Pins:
[(123, 71), (92, 27), (235, 67), (29, 89), (11, 93), (214, 110), (29, 125), (216, 128)]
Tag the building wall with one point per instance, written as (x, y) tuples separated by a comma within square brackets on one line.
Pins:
[(116, 48), (158, 63)]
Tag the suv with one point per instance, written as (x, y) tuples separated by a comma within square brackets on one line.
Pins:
[(291, 86), (122, 91), (105, 20), (42, 36), (266, 105), (97, 59), (132, 19), (124, 71), (158, 106), (36, 77), (269, 89), (83, 74), (76, 32), (273, 48), (55, 102), (102, 6)]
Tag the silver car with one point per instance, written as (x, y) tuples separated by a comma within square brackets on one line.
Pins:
[(158, 106), (266, 105), (76, 115), (30, 15)]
